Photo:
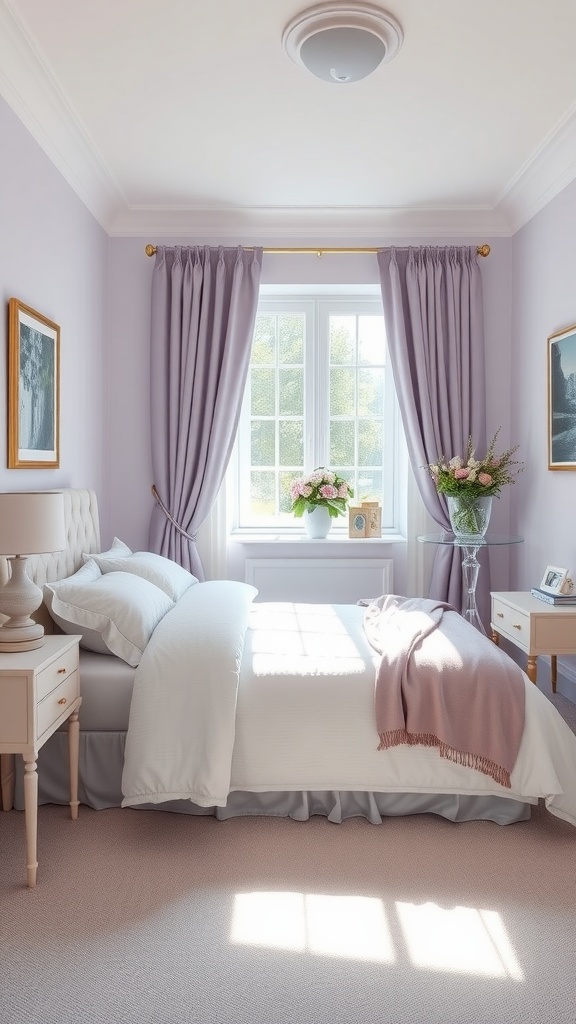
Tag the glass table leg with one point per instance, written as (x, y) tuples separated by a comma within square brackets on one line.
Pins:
[(470, 570)]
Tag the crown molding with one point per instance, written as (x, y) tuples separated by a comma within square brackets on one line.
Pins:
[(320, 225), (31, 91), (544, 175)]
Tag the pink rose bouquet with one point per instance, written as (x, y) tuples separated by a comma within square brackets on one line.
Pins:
[(322, 487), (475, 477)]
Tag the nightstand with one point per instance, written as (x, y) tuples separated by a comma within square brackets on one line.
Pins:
[(535, 627), (39, 690)]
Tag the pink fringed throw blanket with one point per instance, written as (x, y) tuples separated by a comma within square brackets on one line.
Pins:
[(441, 683)]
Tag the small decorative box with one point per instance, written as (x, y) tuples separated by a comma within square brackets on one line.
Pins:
[(373, 519)]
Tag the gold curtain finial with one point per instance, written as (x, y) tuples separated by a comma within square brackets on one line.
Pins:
[(150, 250), (483, 250)]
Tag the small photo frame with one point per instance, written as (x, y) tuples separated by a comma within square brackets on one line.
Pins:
[(357, 518), (33, 389), (554, 579)]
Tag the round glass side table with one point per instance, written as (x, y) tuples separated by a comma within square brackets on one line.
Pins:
[(470, 565)]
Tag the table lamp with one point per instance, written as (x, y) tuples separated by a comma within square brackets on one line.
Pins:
[(31, 522)]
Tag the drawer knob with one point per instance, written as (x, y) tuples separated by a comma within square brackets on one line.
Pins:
[(61, 671), (500, 615), (516, 626), (62, 700)]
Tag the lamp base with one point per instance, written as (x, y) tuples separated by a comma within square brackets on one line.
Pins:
[(19, 599), (24, 645), (21, 638)]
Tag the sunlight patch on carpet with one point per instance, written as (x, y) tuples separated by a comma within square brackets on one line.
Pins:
[(351, 927), (456, 940), (459, 940)]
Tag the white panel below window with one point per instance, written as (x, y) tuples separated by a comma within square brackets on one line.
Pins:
[(320, 581)]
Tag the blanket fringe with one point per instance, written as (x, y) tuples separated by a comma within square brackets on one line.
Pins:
[(397, 737)]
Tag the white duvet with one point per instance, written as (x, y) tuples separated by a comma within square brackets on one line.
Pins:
[(274, 697)]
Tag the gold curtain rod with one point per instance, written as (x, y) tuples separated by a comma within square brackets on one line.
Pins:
[(482, 250)]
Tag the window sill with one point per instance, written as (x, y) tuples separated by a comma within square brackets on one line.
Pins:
[(277, 537)]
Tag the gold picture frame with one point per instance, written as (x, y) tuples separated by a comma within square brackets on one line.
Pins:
[(33, 389), (562, 399)]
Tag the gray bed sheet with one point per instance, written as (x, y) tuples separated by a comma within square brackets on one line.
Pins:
[(106, 684)]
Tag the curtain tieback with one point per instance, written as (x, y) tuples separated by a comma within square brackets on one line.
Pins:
[(170, 518)]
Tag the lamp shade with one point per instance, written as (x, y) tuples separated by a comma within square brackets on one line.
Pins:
[(31, 522)]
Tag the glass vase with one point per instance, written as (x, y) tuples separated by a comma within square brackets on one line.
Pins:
[(469, 516)]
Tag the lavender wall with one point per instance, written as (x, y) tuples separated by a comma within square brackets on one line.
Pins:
[(54, 258), (544, 301)]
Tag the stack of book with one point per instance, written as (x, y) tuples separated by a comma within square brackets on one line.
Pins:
[(556, 599)]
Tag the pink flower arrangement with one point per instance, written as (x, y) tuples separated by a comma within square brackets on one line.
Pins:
[(473, 476), (322, 487)]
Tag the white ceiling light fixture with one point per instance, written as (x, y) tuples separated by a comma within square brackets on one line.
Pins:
[(342, 42)]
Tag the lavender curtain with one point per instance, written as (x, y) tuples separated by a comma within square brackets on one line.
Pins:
[(204, 304), (433, 310)]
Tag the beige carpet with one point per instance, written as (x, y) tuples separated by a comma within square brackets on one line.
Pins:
[(144, 916)]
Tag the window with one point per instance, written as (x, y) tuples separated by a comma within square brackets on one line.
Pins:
[(319, 393)]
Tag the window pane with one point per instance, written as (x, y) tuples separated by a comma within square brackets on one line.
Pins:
[(291, 392), (370, 442), (264, 342), (342, 443), (342, 339), (263, 451), (371, 340), (263, 398), (370, 484), (342, 392), (290, 338), (284, 481), (262, 494), (317, 395), (370, 393), (291, 442)]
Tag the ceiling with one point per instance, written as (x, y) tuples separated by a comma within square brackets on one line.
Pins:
[(179, 117)]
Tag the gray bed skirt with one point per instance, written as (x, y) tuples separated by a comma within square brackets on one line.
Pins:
[(100, 776)]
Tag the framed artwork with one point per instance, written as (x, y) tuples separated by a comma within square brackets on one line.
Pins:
[(33, 389), (562, 399), (555, 580)]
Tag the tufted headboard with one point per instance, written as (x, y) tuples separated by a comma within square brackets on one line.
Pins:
[(82, 534)]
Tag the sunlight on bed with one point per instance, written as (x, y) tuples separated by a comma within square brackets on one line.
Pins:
[(458, 940), (298, 639)]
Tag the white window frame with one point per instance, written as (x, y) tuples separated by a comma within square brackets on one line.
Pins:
[(317, 309)]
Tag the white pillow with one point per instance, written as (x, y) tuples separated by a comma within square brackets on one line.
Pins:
[(119, 548), (172, 578), (116, 613), (91, 640)]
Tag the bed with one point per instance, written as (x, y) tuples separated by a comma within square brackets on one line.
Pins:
[(276, 719)]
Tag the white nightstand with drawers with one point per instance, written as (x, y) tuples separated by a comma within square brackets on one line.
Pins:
[(535, 627), (39, 690)]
